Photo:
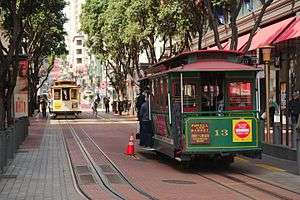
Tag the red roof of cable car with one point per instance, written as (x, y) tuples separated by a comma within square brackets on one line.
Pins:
[(217, 65), (189, 53)]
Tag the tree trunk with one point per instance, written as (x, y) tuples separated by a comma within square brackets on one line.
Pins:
[(200, 33), (213, 22)]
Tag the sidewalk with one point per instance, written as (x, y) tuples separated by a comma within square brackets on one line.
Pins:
[(41, 168)]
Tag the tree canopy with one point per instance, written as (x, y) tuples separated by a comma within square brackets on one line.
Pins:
[(34, 27)]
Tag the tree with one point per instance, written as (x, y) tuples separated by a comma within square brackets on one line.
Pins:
[(104, 23), (44, 39), (12, 16), (230, 10), (13, 20), (182, 21)]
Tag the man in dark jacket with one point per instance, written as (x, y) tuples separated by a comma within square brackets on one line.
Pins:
[(146, 126), (139, 102)]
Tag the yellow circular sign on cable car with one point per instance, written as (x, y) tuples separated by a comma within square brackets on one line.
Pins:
[(242, 130), (57, 105)]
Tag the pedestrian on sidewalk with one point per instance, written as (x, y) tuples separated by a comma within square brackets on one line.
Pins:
[(95, 105), (106, 104), (44, 106), (146, 132)]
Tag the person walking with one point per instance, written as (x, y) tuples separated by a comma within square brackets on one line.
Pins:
[(146, 132), (44, 106), (95, 105), (106, 104)]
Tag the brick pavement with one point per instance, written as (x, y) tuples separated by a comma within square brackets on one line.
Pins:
[(40, 169)]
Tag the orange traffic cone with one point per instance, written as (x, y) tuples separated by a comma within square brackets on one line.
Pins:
[(130, 147)]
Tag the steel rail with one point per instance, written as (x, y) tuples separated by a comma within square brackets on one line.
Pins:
[(225, 186), (267, 182), (274, 194), (93, 165), (118, 170), (240, 181), (74, 179)]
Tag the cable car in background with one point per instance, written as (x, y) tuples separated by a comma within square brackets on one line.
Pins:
[(204, 104), (65, 98)]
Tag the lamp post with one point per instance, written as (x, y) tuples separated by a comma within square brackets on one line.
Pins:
[(266, 52)]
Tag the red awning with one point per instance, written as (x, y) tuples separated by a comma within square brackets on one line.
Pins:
[(292, 31), (213, 66), (241, 42), (267, 35)]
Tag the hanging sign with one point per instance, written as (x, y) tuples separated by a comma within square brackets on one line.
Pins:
[(21, 90)]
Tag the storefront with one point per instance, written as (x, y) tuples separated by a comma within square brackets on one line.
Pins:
[(286, 58)]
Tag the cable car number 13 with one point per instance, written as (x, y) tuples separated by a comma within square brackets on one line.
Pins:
[(222, 132)]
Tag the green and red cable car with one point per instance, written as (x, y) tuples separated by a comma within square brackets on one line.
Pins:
[(205, 104)]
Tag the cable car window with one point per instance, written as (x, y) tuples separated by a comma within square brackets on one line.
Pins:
[(56, 94), (66, 94), (190, 95), (239, 96), (176, 88), (157, 94), (165, 92), (189, 91), (212, 97), (73, 94)]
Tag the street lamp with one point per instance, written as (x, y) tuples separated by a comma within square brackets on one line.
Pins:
[(266, 52)]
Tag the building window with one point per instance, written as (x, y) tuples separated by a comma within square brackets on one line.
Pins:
[(247, 7), (248, 4), (78, 51), (219, 13), (78, 60), (79, 42)]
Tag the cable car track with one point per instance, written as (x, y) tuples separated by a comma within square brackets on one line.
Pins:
[(97, 172), (257, 187)]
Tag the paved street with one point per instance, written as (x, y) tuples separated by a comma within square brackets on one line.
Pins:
[(41, 168)]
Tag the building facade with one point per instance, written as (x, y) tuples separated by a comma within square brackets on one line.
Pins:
[(78, 58)]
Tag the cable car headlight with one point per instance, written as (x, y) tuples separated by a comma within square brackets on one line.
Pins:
[(74, 105)]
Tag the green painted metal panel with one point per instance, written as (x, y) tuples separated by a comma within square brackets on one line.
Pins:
[(224, 133)]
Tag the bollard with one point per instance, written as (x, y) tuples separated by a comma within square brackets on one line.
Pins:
[(276, 133)]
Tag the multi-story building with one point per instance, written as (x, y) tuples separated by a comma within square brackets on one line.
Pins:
[(78, 58)]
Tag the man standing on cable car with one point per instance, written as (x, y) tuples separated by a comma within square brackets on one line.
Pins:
[(146, 126)]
